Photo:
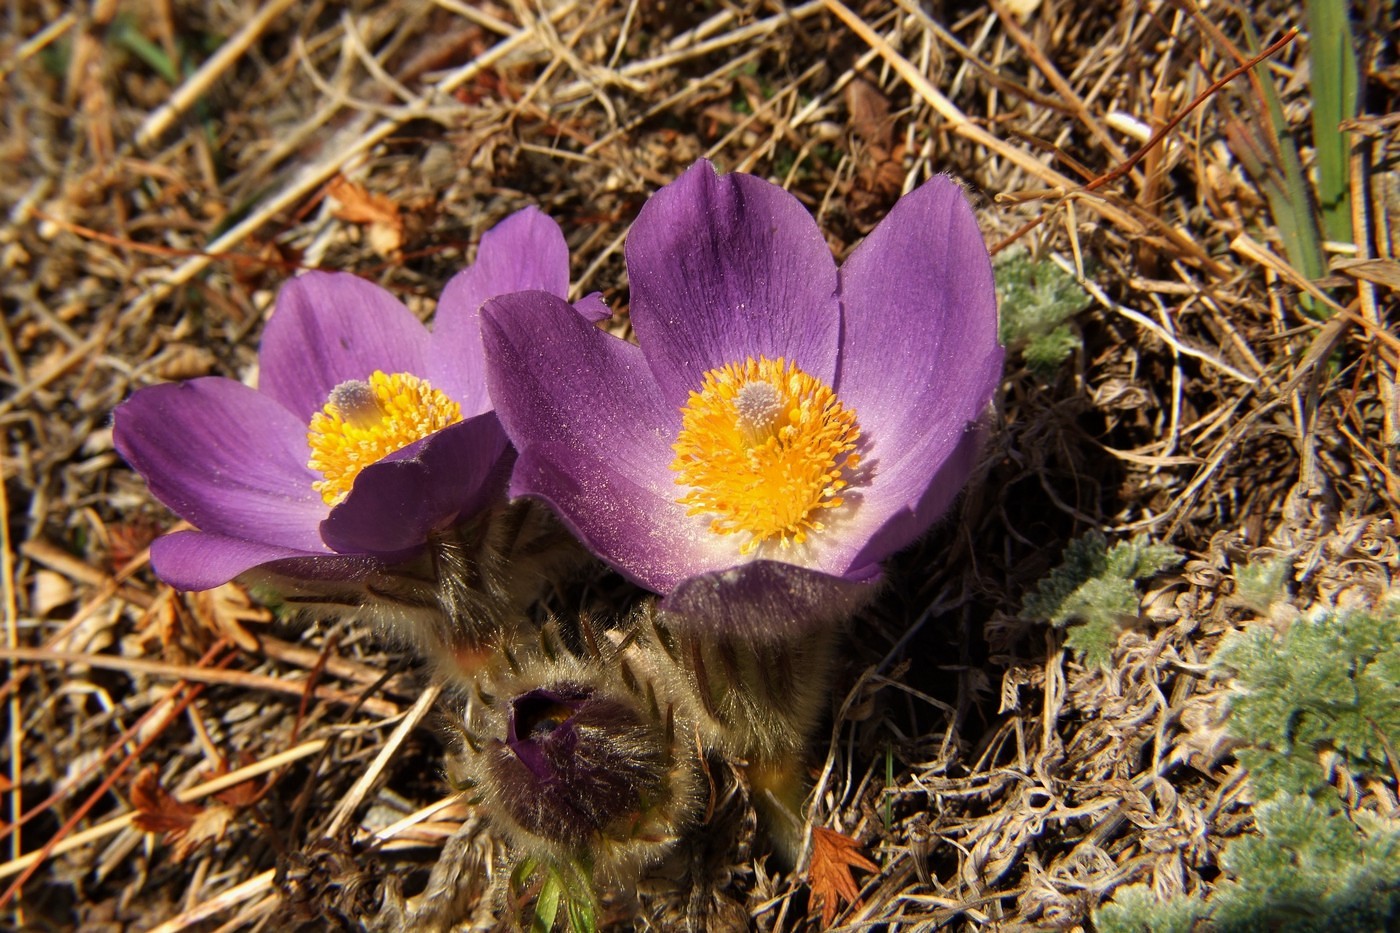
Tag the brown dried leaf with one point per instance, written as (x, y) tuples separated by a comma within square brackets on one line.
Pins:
[(210, 825), (128, 538), (186, 825), (164, 623), (50, 591), (833, 857), (157, 810), (358, 205), (183, 361), (225, 610), (870, 113)]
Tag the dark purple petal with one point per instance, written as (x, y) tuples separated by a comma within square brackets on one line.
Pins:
[(532, 713), (572, 768), (196, 560), (767, 601), (727, 268), (294, 573), (593, 307), (540, 730), (395, 503), (330, 327), (227, 458), (524, 252)]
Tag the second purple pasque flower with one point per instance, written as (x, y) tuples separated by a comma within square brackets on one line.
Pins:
[(781, 426), (366, 434)]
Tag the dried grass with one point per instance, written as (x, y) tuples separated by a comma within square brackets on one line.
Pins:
[(151, 216)]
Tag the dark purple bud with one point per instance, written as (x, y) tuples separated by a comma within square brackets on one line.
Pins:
[(576, 764)]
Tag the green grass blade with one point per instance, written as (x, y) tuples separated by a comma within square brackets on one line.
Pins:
[(1332, 75), (1290, 199)]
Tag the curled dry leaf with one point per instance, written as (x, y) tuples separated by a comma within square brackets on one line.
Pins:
[(833, 856), (225, 610), (358, 205), (185, 825)]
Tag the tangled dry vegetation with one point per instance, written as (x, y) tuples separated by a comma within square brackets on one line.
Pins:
[(177, 761)]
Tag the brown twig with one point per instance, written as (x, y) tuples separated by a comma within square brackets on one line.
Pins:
[(1161, 134)]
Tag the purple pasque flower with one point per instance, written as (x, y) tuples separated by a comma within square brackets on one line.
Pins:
[(365, 435), (781, 426)]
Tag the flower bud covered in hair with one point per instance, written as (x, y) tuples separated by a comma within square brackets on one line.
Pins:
[(579, 767), (576, 764)]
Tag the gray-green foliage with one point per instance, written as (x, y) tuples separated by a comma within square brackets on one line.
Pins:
[(1311, 869), (1262, 583), (1135, 909), (1037, 300), (1096, 587), (1330, 685)]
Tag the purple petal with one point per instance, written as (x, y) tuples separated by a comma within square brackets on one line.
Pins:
[(524, 252), (727, 268), (395, 503), (593, 307), (767, 601), (919, 315), (225, 457), (910, 522), (646, 537), (196, 560), (919, 360), (912, 476), (595, 438), (556, 379), (543, 745), (330, 327)]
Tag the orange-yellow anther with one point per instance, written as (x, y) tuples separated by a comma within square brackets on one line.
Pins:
[(364, 422), (763, 449)]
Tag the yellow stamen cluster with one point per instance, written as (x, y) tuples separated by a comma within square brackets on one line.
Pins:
[(764, 448), (364, 422)]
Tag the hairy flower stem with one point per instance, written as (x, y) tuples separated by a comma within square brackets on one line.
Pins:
[(754, 699), (459, 601), (780, 790)]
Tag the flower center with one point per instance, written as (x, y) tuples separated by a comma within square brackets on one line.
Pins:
[(764, 448), (364, 422)]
